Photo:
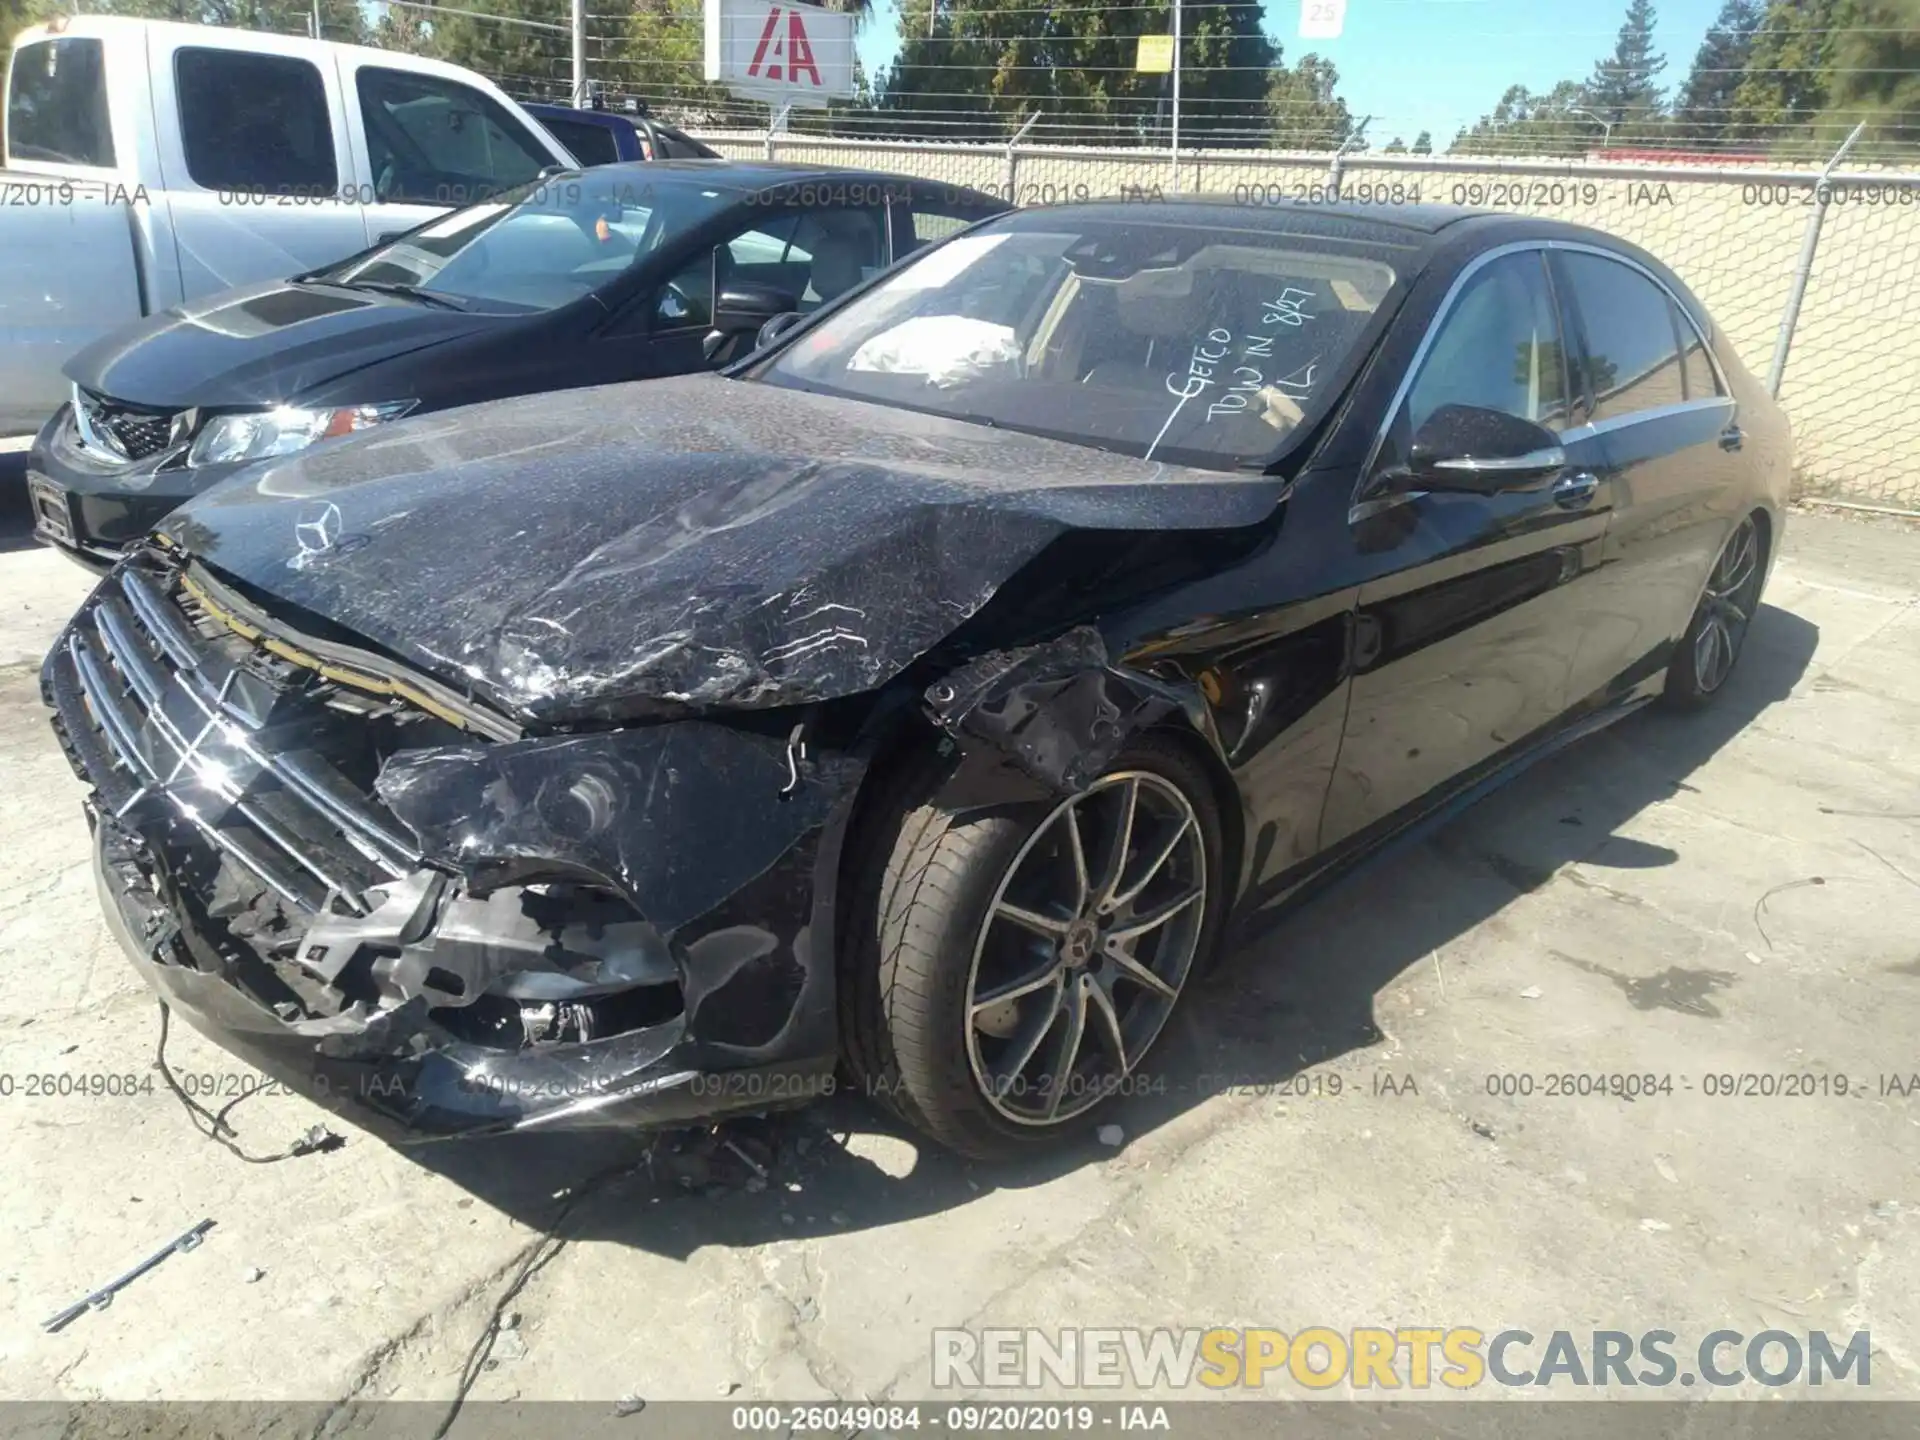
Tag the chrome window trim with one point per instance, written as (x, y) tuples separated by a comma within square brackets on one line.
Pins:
[(1360, 509), (1636, 417), (1551, 457)]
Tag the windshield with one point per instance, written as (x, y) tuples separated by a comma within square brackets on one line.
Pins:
[(540, 246), (1186, 342)]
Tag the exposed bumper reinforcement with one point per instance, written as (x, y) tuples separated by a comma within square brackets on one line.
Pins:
[(397, 1075)]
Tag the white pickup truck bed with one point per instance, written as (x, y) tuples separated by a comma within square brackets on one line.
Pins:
[(70, 271)]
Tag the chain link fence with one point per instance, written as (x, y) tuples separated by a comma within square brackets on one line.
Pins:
[(1736, 235)]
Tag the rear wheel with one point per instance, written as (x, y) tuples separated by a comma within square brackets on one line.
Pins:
[(1714, 640), (1018, 965)]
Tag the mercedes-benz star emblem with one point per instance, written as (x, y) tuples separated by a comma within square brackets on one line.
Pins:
[(319, 538)]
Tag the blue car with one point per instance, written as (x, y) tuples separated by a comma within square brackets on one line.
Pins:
[(603, 137)]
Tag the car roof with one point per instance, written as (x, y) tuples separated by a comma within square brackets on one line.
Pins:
[(756, 174), (606, 119), (1420, 236), (1389, 224)]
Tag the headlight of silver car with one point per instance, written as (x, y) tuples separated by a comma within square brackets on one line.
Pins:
[(262, 434)]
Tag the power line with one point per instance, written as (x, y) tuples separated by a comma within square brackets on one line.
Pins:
[(478, 15)]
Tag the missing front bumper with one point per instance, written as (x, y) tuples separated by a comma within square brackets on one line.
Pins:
[(401, 1076)]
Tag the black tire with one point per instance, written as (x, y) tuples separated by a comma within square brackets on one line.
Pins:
[(1701, 666), (915, 920)]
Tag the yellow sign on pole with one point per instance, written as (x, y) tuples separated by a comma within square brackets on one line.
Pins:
[(1156, 55)]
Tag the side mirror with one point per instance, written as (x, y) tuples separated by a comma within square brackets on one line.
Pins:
[(743, 308), (776, 327), (1481, 452)]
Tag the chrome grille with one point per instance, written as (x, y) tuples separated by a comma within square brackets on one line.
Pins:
[(126, 432), (155, 713), (139, 435)]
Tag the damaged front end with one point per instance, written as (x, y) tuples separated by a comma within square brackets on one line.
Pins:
[(390, 899)]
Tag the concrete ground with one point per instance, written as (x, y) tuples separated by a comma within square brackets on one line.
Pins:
[(1730, 893)]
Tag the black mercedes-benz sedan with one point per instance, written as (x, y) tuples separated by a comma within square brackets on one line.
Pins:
[(616, 273), (926, 698)]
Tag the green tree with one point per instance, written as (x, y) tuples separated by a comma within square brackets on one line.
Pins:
[(1785, 87), (1423, 143), (1622, 88), (972, 69), (340, 20), (528, 63), (1873, 75), (1523, 123), (656, 53), (1307, 111), (1704, 106), (1395, 146)]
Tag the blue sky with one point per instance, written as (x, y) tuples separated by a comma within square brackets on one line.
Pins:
[(1440, 64)]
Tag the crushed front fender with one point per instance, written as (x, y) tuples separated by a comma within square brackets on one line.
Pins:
[(1050, 719)]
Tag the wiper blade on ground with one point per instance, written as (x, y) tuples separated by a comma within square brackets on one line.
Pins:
[(410, 292)]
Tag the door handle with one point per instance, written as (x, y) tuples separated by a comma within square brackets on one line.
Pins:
[(1570, 492), (1731, 438)]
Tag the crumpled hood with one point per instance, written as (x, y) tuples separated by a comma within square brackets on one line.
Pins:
[(700, 540), (261, 345)]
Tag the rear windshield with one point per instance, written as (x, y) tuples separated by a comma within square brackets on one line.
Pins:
[(57, 103), (542, 246), (1187, 342)]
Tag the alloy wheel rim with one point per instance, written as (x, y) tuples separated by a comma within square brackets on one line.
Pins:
[(1086, 948), (1727, 607)]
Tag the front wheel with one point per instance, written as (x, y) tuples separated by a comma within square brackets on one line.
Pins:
[(1714, 640), (1013, 969)]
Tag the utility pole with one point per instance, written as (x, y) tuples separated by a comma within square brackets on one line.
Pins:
[(580, 54), (1176, 97)]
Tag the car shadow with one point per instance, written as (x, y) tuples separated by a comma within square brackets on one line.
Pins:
[(1299, 995)]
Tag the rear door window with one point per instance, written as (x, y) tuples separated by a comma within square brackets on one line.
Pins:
[(255, 123), (813, 255), (1633, 356), (672, 144), (591, 144), (57, 106), (765, 254), (438, 142), (930, 219)]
